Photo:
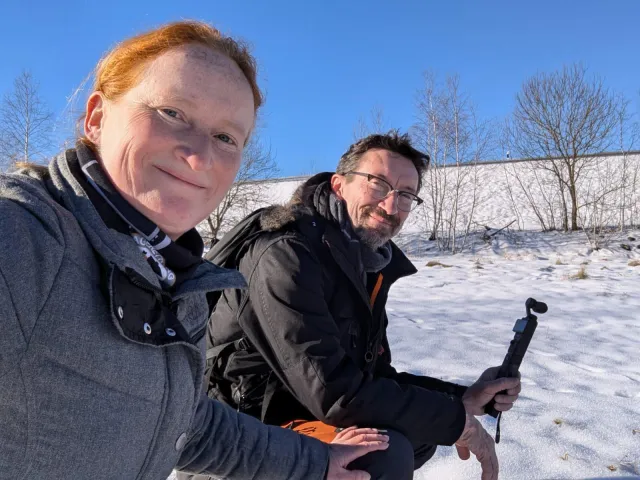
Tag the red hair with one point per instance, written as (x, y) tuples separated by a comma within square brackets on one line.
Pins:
[(121, 69)]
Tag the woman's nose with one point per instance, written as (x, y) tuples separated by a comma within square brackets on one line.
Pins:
[(197, 152)]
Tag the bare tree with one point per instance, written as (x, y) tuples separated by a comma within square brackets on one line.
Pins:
[(247, 193), (375, 123), (449, 130), (565, 116), (610, 194), (533, 190), (6, 159), (628, 135), (429, 133), (25, 122), (600, 202)]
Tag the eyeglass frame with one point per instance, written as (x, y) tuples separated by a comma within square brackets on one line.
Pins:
[(418, 200)]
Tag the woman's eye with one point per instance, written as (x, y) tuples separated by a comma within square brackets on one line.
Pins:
[(225, 138), (170, 112)]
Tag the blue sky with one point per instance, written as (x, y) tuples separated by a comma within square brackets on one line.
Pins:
[(323, 65)]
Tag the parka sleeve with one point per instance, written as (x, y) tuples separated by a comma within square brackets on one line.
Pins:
[(385, 369)]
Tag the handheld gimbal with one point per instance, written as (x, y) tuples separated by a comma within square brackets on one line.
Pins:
[(524, 329)]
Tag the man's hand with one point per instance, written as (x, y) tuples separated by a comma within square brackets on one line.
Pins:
[(486, 387), (342, 455), (476, 440)]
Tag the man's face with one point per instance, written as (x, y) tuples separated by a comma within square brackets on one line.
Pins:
[(376, 220)]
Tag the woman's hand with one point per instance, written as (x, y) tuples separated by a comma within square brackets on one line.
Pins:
[(360, 436), (349, 444)]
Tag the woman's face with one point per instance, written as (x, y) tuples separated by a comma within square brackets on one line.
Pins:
[(172, 145)]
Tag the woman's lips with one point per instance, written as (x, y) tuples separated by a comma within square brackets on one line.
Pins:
[(180, 178)]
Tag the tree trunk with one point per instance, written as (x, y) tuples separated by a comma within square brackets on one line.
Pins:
[(565, 209), (574, 208)]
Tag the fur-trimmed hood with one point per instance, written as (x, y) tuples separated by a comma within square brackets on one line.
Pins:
[(309, 198)]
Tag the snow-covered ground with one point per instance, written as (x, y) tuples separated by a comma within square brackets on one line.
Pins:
[(578, 416)]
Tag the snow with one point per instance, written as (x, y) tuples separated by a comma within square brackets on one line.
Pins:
[(583, 366), (580, 400)]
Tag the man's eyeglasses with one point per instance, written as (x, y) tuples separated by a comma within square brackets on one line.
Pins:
[(379, 189)]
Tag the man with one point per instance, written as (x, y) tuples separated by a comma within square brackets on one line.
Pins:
[(305, 346)]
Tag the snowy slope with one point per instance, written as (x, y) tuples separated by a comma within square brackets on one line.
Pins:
[(508, 191)]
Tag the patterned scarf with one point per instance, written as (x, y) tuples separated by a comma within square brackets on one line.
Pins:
[(171, 261)]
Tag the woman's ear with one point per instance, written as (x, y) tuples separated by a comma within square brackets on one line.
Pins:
[(94, 117), (337, 181)]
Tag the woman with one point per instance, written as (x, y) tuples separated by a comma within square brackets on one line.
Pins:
[(103, 290)]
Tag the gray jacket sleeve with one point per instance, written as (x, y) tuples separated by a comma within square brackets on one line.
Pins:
[(236, 446), (31, 252), (13, 340)]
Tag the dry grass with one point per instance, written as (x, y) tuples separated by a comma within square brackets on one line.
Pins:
[(565, 456), (634, 263), (580, 274), (435, 263), (558, 421), (560, 262), (477, 264)]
